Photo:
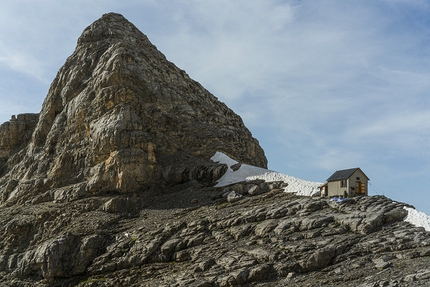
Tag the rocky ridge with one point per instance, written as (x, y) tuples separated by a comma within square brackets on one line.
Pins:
[(190, 235), (111, 185)]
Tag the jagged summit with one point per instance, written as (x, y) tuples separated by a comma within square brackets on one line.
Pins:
[(109, 26), (120, 117)]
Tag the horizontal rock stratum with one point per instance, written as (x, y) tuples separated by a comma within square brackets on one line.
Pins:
[(190, 235), (120, 117)]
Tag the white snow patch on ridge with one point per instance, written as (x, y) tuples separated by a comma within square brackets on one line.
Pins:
[(248, 172), (417, 218)]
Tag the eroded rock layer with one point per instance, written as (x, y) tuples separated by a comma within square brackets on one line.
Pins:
[(190, 235)]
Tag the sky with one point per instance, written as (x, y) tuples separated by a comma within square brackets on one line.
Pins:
[(323, 85)]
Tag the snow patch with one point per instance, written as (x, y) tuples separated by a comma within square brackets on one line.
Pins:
[(223, 158), (248, 172), (417, 218)]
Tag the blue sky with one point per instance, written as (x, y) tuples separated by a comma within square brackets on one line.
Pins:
[(323, 85)]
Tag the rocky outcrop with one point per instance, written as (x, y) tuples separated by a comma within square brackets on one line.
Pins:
[(120, 117), (14, 136), (190, 235)]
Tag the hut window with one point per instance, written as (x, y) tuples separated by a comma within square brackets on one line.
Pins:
[(343, 183), (358, 178)]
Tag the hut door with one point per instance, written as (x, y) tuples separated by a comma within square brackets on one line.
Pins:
[(363, 188), (360, 187)]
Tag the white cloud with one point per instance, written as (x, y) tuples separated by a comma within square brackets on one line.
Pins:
[(23, 63)]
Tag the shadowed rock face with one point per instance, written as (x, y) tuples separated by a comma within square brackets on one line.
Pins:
[(120, 117)]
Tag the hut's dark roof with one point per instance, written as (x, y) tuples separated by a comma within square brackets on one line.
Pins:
[(344, 174)]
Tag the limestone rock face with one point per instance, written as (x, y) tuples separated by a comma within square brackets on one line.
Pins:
[(14, 136), (120, 117)]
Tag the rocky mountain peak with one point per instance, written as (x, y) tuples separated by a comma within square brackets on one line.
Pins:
[(120, 117)]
